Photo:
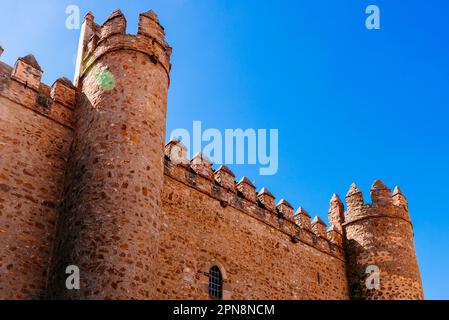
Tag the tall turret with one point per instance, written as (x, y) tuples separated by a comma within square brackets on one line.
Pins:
[(109, 219), (380, 251)]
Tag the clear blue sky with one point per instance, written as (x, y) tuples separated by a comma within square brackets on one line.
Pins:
[(350, 104)]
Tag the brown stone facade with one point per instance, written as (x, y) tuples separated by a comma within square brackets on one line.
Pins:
[(263, 254), (381, 234), (35, 137), (85, 180)]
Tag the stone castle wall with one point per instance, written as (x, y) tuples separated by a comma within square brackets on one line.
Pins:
[(85, 180), (35, 136), (262, 255)]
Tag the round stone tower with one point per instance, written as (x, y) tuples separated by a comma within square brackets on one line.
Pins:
[(380, 251), (108, 224)]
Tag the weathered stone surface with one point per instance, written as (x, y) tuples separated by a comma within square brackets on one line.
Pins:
[(225, 178), (33, 152), (302, 219), (336, 213), (247, 189), (266, 199), (381, 234), (258, 257), (85, 180)]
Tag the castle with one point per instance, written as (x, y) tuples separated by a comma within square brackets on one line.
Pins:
[(85, 180)]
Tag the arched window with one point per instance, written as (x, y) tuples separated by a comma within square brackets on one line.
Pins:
[(215, 283)]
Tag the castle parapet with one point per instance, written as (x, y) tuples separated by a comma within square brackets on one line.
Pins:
[(220, 184), (335, 236), (96, 41), (336, 213), (247, 189), (64, 92), (176, 151), (27, 71), (398, 199), (384, 203), (319, 227), (266, 199), (225, 178), (115, 24), (22, 85), (150, 26), (380, 194), (354, 198), (302, 219), (202, 165), (285, 209)]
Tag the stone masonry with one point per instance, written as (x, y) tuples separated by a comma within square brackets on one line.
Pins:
[(85, 180)]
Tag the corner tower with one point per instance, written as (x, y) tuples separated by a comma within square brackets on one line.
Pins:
[(379, 245), (109, 218)]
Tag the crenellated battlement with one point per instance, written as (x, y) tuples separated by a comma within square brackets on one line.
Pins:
[(23, 85), (221, 185), (97, 40), (198, 173), (383, 203), (84, 172)]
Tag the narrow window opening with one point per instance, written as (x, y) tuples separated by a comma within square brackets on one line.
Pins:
[(215, 283)]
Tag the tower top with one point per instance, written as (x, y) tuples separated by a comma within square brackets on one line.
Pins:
[(397, 191), (353, 190), (97, 40), (379, 185), (335, 198), (151, 14)]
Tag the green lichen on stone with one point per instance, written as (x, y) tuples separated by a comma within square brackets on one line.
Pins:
[(105, 80)]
